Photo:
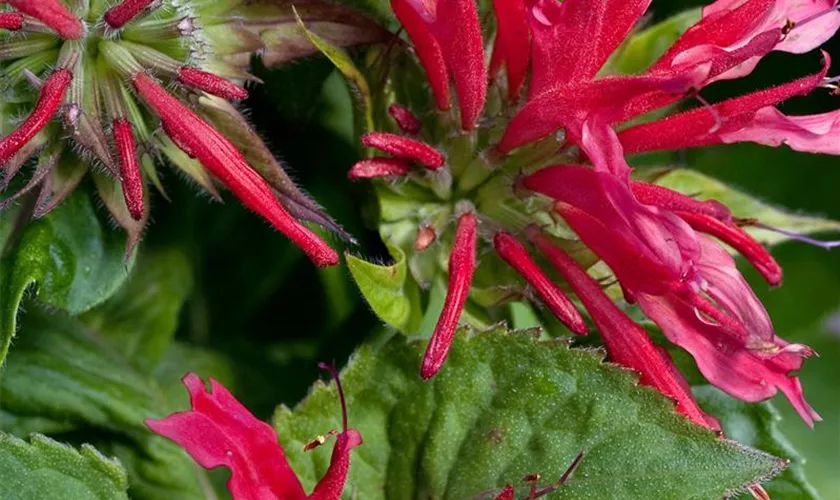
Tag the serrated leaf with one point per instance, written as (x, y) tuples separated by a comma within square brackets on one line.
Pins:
[(757, 425), (140, 320), (745, 206), (75, 261), (44, 469), (506, 405), (344, 63), (393, 296)]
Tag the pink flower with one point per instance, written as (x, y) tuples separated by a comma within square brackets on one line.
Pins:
[(219, 431)]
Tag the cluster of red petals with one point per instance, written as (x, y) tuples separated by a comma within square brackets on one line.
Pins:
[(218, 155), (220, 431), (654, 239)]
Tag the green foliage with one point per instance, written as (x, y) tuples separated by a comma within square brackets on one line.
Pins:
[(757, 425), (507, 405), (43, 469), (645, 47), (73, 259), (393, 296)]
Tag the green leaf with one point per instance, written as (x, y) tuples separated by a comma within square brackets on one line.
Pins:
[(644, 48), (506, 405), (76, 261), (62, 373), (344, 63), (58, 370), (44, 469), (393, 296), (745, 206), (756, 425), (140, 320)]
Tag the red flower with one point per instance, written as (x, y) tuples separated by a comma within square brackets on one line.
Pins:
[(564, 135), (219, 431)]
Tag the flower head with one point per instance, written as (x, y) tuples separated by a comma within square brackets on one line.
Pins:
[(536, 166), (112, 73), (219, 431)]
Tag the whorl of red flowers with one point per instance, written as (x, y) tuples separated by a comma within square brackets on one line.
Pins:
[(652, 238)]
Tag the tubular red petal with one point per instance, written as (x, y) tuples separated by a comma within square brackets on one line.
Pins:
[(458, 31), (405, 119), (220, 431), (512, 46), (379, 167), (740, 240), (462, 263), (332, 484), (222, 159), (11, 21), (662, 197), (627, 343), (132, 179), (121, 14), (54, 14), (722, 30), (419, 29), (701, 127), (514, 253), (406, 148), (50, 98), (210, 83)]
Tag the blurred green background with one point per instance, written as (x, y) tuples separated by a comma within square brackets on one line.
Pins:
[(249, 280)]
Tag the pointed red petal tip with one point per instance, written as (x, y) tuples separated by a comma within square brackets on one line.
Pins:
[(405, 148), (54, 14), (378, 167), (50, 98), (11, 21), (210, 83), (405, 119), (462, 263), (755, 253), (223, 160), (125, 11), (506, 494), (331, 485), (516, 255), (627, 343), (132, 179), (219, 431)]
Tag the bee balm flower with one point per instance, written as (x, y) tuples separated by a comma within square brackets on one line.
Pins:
[(538, 157)]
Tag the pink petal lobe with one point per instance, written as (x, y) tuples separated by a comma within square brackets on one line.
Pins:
[(702, 126), (462, 262), (331, 485), (379, 167), (219, 431), (807, 133)]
